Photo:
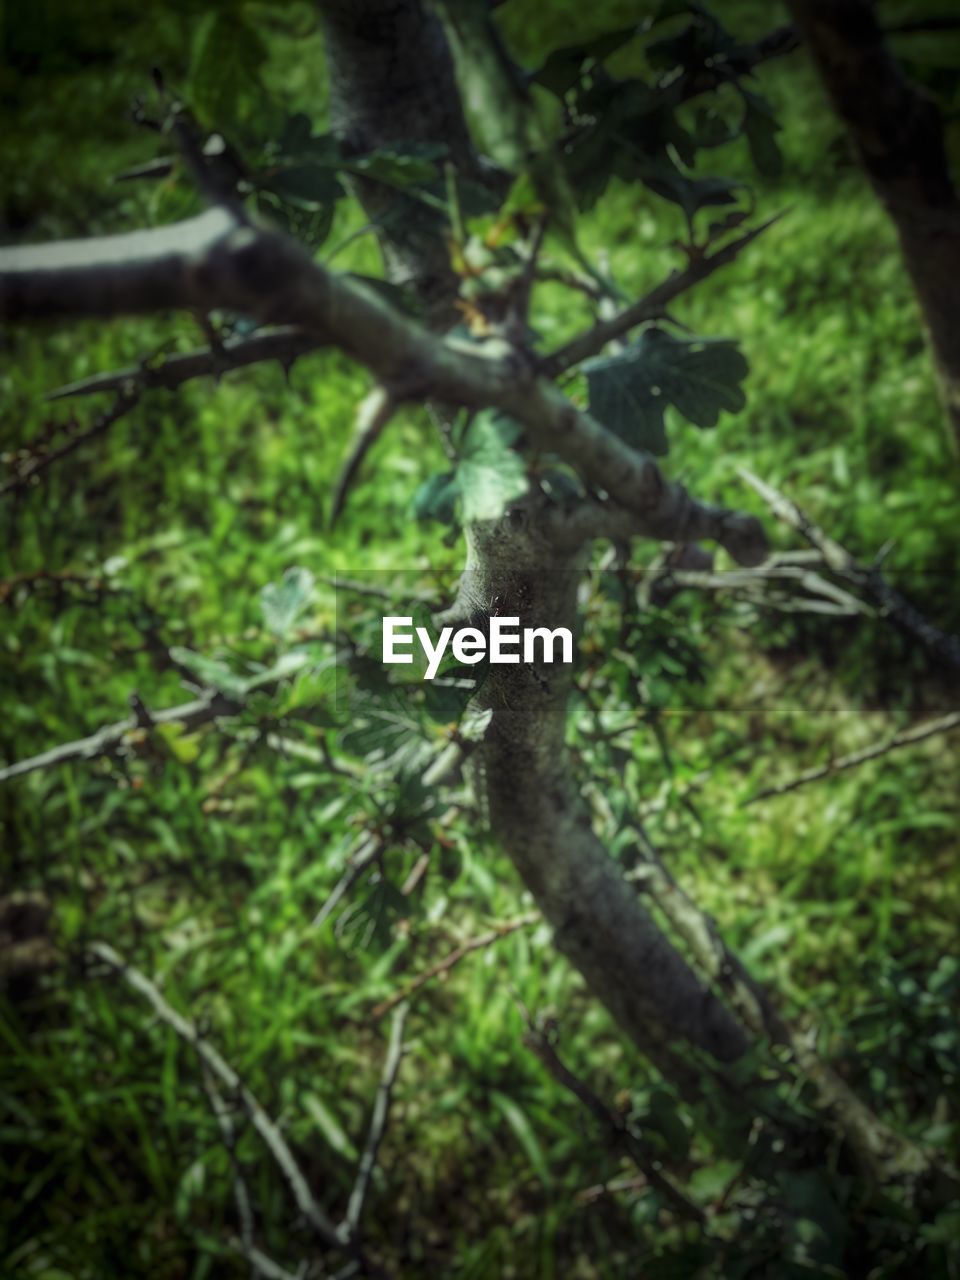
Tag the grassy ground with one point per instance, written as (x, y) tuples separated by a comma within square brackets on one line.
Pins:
[(205, 858)]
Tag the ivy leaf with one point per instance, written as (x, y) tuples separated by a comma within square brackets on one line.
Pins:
[(630, 390), (691, 194), (282, 603), (490, 475)]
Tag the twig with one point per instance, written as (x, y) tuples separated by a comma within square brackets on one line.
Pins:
[(378, 1125), (905, 739), (649, 306), (373, 415), (370, 849), (448, 962), (373, 591), (942, 646), (265, 1126), (228, 1136), (284, 343), (35, 463), (106, 740), (611, 1121), (264, 1266)]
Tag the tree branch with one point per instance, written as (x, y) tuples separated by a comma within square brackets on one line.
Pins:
[(649, 307), (284, 343), (202, 710), (943, 647), (904, 739), (450, 961), (212, 261), (378, 1125), (331, 1235)]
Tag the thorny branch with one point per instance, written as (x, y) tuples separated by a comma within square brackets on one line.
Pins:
[(213, 261)]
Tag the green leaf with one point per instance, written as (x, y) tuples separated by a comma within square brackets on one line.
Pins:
[(412, 165), (523, 1131), (562, 69), (629, 391), (227, 56), (210, 672), (490, 475), (388, 733), (436, 499), (760, 128), (305, 185), (283, 603)]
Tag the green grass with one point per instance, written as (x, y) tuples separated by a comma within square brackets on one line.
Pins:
[(205, 859)]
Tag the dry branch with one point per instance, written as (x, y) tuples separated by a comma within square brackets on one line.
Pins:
[(111, 737), (905, 739), (378, 1125), (502, 930), (283, 343), (331, 1235), (945, 648), (614, 1125)]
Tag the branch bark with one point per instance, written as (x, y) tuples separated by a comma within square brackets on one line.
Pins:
[(898, 134)]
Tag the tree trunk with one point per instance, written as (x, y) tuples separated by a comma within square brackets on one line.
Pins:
[(392, 79), (898, 135)]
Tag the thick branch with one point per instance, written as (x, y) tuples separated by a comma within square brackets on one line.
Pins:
[(211, 262), (899, 136)]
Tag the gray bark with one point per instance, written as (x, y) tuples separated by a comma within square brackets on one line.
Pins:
[(394, 79)]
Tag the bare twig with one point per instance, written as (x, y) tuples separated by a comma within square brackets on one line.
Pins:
[(35, 462), (283, 343), (943, 647), (905, 739), (228, 1135), (265, 1126), (370, 849), (615, 1126), (373, 415), (502, 930), (378, 1125), (262, 1264), (651, 305), (108, 739)]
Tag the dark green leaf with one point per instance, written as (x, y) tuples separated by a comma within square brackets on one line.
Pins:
[(305, 185), (562, 69), (436, 499), (630, 390), (413, 165)]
